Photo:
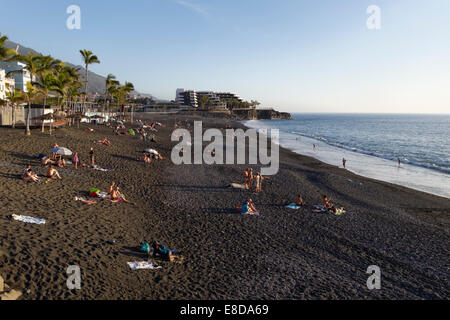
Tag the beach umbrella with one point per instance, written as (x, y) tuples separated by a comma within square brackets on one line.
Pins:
[(62, 151)]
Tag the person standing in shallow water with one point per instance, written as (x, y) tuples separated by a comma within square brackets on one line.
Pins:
[(344, 163)]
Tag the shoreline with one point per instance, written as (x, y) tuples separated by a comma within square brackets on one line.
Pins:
[(389, 175), (281, 254)]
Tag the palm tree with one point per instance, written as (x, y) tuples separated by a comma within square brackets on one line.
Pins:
[(30, 95), (88, 58), (6, 53), (32, 64), (110, 83), (123, 92), (204, 102), (14, 97)]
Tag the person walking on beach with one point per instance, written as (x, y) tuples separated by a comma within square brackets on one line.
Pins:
[(76, 160), (92, 156), (399, 162), (344, 163)]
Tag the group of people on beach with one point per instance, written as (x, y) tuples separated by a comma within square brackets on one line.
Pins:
[(253, 180)]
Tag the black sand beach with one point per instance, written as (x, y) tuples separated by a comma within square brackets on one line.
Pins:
[(281, 254)]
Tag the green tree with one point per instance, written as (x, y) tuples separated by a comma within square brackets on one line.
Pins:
[(14, 97), (30, 96), (204, 102), (88, 59), (6, 53)]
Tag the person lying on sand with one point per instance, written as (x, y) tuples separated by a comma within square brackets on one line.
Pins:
[(326, 202), (105, 141), (299, 202), (164, 253), (46, 160), (335, 210), (52, 172)]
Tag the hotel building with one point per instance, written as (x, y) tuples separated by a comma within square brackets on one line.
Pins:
[(6, 84), (191, 98), (21, 76)]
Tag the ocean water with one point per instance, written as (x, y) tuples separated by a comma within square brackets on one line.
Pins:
[(372, 145)]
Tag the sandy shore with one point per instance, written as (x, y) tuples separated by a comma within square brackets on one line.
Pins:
[(281, 254)]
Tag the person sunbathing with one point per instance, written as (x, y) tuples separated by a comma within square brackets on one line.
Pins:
[(61, 162), (46, 160), (52, 172), (111, 187), (249, 207), (116, 195), (164, 253), (326, 202), (105, 141), (28, 175), (335, 210), (299, 202)]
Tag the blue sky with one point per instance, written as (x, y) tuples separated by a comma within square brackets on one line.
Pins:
[(295, 55)]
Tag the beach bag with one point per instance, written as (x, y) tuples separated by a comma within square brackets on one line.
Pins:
[(93, 192)]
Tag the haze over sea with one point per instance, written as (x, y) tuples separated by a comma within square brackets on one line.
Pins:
[(372, 144)]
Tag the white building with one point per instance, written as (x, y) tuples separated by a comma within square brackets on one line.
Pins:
[(6, 84), (20, 76)]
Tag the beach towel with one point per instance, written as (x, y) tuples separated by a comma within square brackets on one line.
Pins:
[(319, 209), (237, 186), (28, 219), (98, 168), (293, 206), (139, 265)]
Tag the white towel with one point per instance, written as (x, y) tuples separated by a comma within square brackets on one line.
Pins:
[(28, 219), (136, 265)]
